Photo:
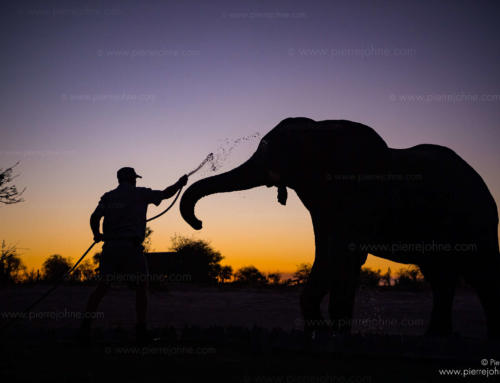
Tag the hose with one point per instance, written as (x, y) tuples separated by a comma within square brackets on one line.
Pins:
[(61, 279)]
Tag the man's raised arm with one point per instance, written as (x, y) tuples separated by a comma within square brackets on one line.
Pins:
[(171, 190)]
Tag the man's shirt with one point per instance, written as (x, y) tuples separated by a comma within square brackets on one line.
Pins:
[(124, 210)]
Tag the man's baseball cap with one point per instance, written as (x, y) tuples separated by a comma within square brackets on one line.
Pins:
[(127, 173)]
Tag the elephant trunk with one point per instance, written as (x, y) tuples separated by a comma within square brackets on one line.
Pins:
[(246, 176)]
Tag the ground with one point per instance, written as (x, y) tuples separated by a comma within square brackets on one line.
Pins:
[(244, 335)]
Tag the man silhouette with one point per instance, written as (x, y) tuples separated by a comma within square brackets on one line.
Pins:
[(124, 227)]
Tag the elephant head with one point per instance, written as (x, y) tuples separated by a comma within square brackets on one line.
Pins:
[(297, 153)]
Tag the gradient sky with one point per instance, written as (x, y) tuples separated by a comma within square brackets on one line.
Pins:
[(89, 87)]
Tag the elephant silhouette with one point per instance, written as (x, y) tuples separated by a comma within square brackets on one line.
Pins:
[(422, 205)]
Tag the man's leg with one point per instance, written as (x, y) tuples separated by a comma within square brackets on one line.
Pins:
[(141, 302), (93, 303)]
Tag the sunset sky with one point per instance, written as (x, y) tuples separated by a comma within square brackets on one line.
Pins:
[(89, 87)]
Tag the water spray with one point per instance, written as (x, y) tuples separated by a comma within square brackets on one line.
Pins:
[(215, 160), (210, 157)]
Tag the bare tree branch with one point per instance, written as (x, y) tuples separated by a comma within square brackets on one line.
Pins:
[(9, 193)]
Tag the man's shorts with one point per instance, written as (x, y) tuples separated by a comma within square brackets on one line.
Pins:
[(123, 261)]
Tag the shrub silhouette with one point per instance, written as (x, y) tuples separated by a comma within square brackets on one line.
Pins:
[(54, 267), (85, 272), (369, 277), (386, 279), (11, 265), (32, 277), (410, 278), (274, 278), (225, 273), (197, 258), (301, 274), (250, 275)]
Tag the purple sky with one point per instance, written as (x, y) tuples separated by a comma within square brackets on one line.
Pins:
[(88, 87)]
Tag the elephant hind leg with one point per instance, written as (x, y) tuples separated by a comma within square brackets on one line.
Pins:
[(485, 279), (443, 280)]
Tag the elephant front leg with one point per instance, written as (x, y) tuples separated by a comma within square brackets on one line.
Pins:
[(312, 295), (345, 270), (318, 283)]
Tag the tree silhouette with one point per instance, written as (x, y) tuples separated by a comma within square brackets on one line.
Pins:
[(148, 243), (54, 267), (9, 193), (11, 265), (369, 277), (410, 278), (302, 273), (32, 276), (387, 278), (274, 278), (250, 275), (84, 272), (225, 273), (197, 258)]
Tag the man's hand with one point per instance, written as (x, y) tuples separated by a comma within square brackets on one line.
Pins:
[(98, 237), (171, 190), (183, 180)]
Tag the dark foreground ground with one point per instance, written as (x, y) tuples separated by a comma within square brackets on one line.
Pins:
[(210, 334)]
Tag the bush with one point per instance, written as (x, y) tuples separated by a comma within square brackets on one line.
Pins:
[(410, 278), (250, 276), (274, 278), (301, 274), (369, 277), (198, 259), (225, 273), (11, 265), (54, 267)]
